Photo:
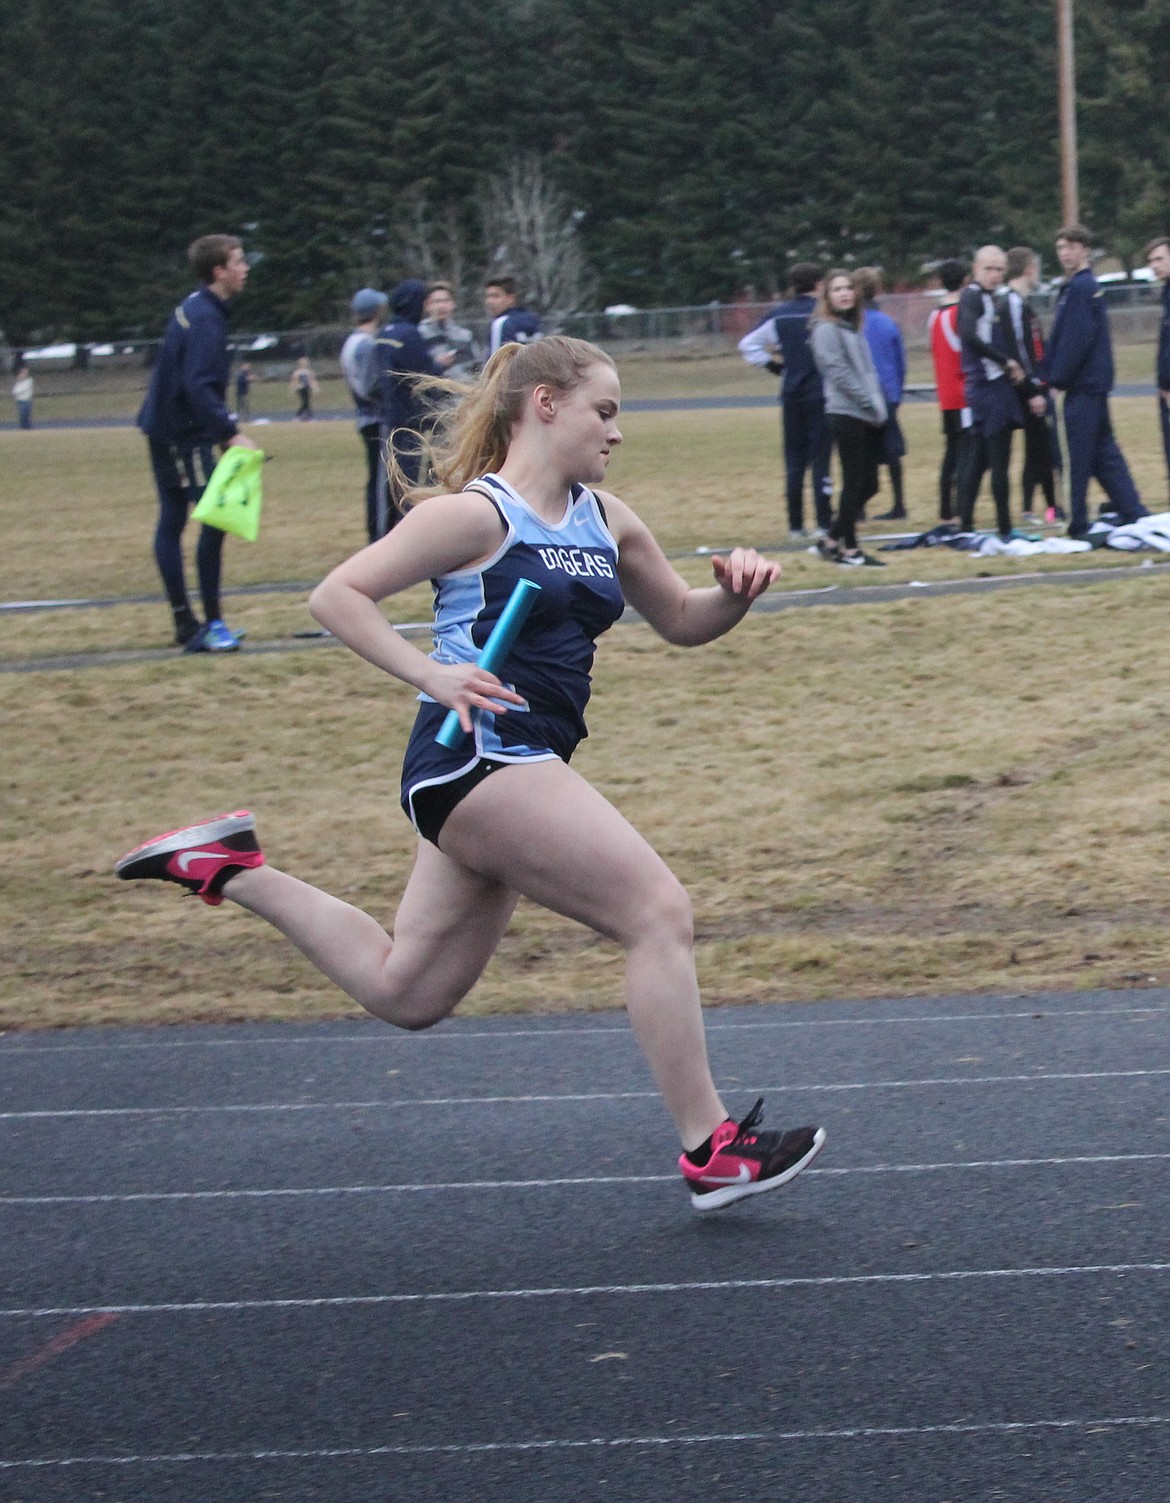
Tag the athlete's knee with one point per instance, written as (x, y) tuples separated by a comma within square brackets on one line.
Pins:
[(665, 910), (413, 1005)]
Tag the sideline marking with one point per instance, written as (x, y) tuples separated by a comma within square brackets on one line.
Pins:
[(612, 1443), (449, 1101), (555, 1184), (65, 1339), (469, 1296), (442, 1035)]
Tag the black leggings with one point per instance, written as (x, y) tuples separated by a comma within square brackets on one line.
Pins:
[(1038, 461), (857, 451), (981, 452), (952, 427), (180, 476)]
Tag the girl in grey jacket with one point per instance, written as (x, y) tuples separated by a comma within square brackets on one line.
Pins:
[(855, 406)]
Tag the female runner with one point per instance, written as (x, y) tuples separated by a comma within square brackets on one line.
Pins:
[(506, 815)]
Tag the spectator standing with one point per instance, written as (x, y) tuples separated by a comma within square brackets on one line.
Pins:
[(1158, 259), (401, 354), (888, 349), (360, 369), (243, 392), (945, 352), (1041, 450), (856, 409), (303, 384), (780, 344), (451, 346), (183, 417), (511, 322), (1080, 363), (990, 374), (22, 395)]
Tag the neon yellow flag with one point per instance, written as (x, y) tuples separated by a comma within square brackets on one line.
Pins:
[(232, 499)]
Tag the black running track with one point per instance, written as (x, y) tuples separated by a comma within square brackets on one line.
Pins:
[(336, 1262)]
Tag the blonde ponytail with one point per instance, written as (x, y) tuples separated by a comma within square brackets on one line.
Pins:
[(471, 437)]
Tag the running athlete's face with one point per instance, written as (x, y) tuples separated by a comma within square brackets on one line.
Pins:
[(586, 424)]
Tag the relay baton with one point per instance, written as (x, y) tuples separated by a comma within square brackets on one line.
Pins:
[(495, 651)]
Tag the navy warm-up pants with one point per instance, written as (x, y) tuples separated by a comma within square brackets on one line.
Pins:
[(180, 476), (1164, 416), (1093, 454), (808, 444)]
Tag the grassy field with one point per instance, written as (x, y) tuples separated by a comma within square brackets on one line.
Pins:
[(948, 795)]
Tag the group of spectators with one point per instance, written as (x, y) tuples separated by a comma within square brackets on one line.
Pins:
[(841, 359), (398, 338), (842, 364)]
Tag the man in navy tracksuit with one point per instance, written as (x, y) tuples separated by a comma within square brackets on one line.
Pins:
[(400, 352), (1158, 259), (780, 345), (1080, 363), (184, 416)]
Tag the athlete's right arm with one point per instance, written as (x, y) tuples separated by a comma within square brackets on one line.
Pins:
[(438, 536)]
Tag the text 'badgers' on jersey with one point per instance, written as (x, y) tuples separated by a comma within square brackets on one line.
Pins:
[(574, 561)]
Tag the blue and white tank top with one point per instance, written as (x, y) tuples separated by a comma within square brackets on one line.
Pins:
[(574, 561)]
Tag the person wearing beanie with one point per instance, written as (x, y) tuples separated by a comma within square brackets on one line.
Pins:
[(400, 354), (359, 368)]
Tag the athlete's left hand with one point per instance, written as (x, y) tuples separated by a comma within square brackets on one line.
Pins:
[(744, 573)]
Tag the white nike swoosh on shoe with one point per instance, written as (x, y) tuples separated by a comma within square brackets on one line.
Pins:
[(185, 858), (730, 1179)]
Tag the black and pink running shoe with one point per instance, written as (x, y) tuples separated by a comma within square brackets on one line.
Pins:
[(200, 858), (746, 1162)]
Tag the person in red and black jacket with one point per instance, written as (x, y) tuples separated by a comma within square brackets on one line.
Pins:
[(945, 351), (1041, 445)]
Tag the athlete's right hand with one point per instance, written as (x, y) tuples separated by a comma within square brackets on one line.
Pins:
[(464, 687)]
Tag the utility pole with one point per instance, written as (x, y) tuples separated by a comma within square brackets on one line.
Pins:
[(1067, 94)]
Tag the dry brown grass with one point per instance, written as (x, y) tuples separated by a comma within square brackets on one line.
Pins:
[(933, 795)]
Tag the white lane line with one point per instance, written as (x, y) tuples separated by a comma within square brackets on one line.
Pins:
[(471, 1296), (611, 1443), (441, 1035), (583, 1181), (536, 1100)]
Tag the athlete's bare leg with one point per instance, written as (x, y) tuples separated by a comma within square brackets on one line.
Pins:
[(446, 930), (545, 832)]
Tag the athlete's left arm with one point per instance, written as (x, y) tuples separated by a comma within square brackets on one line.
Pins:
[(684, 615)]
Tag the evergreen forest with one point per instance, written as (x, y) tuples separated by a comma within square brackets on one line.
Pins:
[(698, 147)]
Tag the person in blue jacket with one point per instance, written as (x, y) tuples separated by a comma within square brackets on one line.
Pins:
[(1080, 363), (1157, 255), (511, 323), (400, 357), (888, 349), (184, 417), (780, 344)]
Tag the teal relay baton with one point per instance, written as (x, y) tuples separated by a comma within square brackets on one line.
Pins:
[(495, 651)]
